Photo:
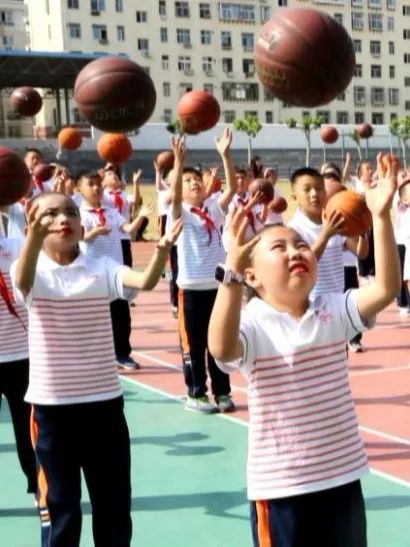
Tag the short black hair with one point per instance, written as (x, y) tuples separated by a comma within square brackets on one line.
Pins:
[(402, 187), (32, 149), (87, 175), (305, 171), (241, 171), (194, 170)]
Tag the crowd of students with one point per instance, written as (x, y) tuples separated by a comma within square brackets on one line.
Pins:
[(66, 285)]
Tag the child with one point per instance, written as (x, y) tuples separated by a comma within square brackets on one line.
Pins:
[(402, 234), (104, 228), (74, 386), (324, 235), (199, 251), (305, 453), (273, 216)]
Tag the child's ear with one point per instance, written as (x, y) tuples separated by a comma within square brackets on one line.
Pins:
[(250, 278), (293, 195)]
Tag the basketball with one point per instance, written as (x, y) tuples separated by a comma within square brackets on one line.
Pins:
[(26, 101), (69, 138), (264, 187), (329, 134), (304, 57), (365, 131), (43, 172), (354, 209), (115, 94), (278, 205), (15, 178), (198, 111), (165, 160), (114, 148)]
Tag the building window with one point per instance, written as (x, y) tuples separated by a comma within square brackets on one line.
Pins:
[(342, 117), (407, 105), (243, 13), (166, 89), (181, 9), (377, 96), (162, 8), (74, 30), (141, 16), (227, 65), (97, 6), (392, 71), (406, 10), (393, 95), (407, 81), (375, 48), (359, 94), (248, 67), (229, 116), (72, 4), (184, 63), (393, 116), (375, 22), (184, 88), (359, 117), (226, 41), (406, 58), (183, 36), (240, 92), (357, 71), (390, 24), (265, 13), (357, 20), (357, 44), (143, 45), (377, 4), (100, 32), (119, 6), (247, 41), (120, 33), (204, 10), (376, 71), (391, 4), (282, 3), (357, 3), (206, 38), (406, 33), (324, 114), (391, 48), (167, 115), (207, 65), (163, 33), (339, 18), (165, 62), (377, 118), (209, 88), (268, 116), (7, 41)]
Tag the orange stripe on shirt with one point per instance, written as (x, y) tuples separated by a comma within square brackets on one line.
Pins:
[(264, 536)]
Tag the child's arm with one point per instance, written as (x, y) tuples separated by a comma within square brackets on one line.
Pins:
[(359, 246), (210, 181), (95, 232), (346, 168), (226, 313), (178, 147), (223, 145), (147, 279), (375, 296), (330, 227), (134, 225)]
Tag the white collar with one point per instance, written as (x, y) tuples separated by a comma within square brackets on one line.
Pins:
[(47, 263)]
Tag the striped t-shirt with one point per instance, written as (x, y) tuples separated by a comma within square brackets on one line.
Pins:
[(303, 430), (330, 270), (71, 347), (13, 330)]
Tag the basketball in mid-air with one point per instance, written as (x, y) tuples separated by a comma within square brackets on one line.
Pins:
[(329, 134), (15, 178), (365, 131), (198, 111), (165, 160), (265, 187), (26, 101), (69, 138), (43, 171), (115, 94), (304, 57), (114, 148), (352, 206)]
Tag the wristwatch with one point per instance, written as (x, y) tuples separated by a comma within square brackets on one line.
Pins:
[(226, 276)]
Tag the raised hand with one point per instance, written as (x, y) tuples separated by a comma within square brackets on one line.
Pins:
[(239, 250), (223, 143), (179, 149), (38, 227), (146, 210), (379, 198), (335, 224)]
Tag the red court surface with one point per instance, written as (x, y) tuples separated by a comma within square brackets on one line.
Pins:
[(380, 377)]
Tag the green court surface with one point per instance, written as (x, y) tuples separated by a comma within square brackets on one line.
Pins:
[(188, 483)]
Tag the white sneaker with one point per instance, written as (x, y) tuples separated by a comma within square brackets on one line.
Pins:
[(356, 347), (200, 404), (404, 312)]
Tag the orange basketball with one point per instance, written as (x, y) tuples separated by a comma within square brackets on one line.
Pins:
[(365, 131), (198, 111), (165, 160), (278, 205), (15, 178), (353, 208), (265, 187), (329, 134), (114, 148), (69, 138)]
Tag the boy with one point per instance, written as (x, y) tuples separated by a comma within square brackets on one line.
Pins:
[(199, 251), (324, 235), (103, 229), (306, 456), (74, 386)]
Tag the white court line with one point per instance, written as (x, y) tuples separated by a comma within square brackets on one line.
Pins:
[(243, 423), (377, 433), (378, 371)]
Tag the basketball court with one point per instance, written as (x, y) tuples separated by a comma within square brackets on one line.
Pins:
[(189, 470)]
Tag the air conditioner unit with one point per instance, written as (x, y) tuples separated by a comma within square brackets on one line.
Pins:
[(95, 12), (145, 53), (103, 40), (187, 45), (188, 72)]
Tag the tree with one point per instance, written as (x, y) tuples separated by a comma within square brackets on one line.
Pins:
[(400, 128), (307, 124), (251, 126), (174, 128), (354, 135)]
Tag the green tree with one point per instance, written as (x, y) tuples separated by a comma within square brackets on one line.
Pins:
[(251, 126), (175, 128), (307, 124), (400, 128), (354, 135)]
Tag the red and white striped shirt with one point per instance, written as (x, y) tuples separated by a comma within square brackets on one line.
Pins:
[(71, 345), (303, 431), (13, 335)]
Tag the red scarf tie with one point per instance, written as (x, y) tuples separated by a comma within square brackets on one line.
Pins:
[(209, 223), (100, 211), (39, 184), (118, 201), (249, 214), (8, 299)]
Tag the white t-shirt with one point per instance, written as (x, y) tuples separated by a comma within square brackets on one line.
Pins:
[(303, 430), (122, 205), (254, 224), (272, 217), (330, 271), (17, 221), (13, 330), (163, 202), (71, 347), (401, 221)]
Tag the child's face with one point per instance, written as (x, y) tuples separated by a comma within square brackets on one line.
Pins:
[(283, 268), (242, 183), (193, 191), (111, 180), (92, 190), (272, 177), (310, 195), (366, 172), (31, 159), (70, 186)]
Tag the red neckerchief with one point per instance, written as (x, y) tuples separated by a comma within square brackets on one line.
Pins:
[(118, 201), (39, 184), (249, 214), (100, 211), (209, 223), (8, 299)]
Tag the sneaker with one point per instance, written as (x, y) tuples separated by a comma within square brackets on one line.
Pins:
[(200, 404), (356, 347), (225, 403), (128, 363), (404, 312)]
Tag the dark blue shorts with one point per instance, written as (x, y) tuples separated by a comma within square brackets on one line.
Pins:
[(329, 518)]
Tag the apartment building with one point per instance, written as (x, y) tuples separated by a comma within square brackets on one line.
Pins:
[(208, 45)]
